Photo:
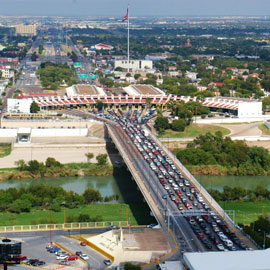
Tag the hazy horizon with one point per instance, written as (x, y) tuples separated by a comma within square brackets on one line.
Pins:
[(138, 8)]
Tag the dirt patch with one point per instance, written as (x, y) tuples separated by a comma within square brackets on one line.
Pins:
[(265, 144), (152, 240)]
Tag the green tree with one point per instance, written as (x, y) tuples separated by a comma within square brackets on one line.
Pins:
[(137, 76), (89, 156), (178, 124), (161, 123), (34, 108), (102, 159), (21, 165), (91, 195), (52, 162), (100, 105), (130, 266)]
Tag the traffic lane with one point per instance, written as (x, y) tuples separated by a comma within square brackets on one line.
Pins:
[(157, 190), (95, 259)]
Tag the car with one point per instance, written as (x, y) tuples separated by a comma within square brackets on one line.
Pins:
[(38, 263), (107, 262), (84, 257), (64, 262), (151, 225), (83, 243), (220, 247), (112, 227), (78, 253), (61, 257), (71, 258), (20, 258), (30, 261)]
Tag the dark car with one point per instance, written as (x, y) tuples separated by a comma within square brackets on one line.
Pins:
[(107, 262), (38, 263), (112, 227)]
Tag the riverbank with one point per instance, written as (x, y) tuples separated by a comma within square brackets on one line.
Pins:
[(218, 170), (136, 213), (70, 169)]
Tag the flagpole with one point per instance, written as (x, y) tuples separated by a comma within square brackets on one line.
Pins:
[(128, 41)]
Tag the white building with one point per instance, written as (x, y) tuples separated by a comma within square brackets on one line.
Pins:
[(236, 260), (7, 72), (19, 105), (191, 75), (134, 65), (250, 109)]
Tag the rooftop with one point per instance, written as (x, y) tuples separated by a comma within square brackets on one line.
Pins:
[(236, 260)]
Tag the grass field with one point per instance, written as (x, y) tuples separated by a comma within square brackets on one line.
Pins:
[(5, 149), (195, 130), (137, 214), (247, 212), (264, 129)]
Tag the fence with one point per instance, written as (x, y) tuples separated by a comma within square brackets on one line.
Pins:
[(65, 226)]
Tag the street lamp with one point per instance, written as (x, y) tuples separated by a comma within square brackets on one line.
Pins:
[(264, 234)]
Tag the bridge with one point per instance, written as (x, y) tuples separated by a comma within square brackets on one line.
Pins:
[(166, 211)]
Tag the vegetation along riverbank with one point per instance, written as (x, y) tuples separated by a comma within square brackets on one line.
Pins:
[(215, 155), (53, 168)]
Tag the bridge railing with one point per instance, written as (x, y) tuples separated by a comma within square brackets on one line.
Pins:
[(63, 226)]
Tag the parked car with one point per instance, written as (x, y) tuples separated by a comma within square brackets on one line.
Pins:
[(83, 243), (64, 262), (84, 257), (107, 262)]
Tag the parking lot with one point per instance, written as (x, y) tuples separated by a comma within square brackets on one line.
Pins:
[(34, 247)]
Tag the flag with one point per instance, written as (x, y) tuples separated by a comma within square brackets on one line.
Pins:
[(125, 17)]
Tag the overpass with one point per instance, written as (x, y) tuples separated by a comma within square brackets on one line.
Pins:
[(165, 211)]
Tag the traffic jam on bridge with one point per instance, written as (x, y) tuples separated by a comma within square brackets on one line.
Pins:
[(208, 227)]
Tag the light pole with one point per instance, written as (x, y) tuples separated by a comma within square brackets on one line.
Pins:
[(264, 236)]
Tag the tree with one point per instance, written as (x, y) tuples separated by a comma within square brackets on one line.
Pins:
[(130, 266), (100, 105), (21, 165), (102, 159), (89, 156), (34, 108), (34, 166), (52, 162), (162, 123), (137, 76), (91, 195), (178, 125)]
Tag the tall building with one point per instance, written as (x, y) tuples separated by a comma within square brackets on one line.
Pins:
[(26, 30)]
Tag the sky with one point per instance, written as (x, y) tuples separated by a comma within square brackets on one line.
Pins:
[(137, 7)]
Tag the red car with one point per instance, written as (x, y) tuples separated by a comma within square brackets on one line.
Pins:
[(162, 181), (201, 236), (71, 258), (178, 193), (83, 244), (177, 201), (20, 257)]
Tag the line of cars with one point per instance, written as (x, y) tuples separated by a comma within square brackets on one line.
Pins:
[(212, 231)]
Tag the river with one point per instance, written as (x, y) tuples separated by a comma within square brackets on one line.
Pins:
[(218, 182), (107, 185), (125, 188)]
